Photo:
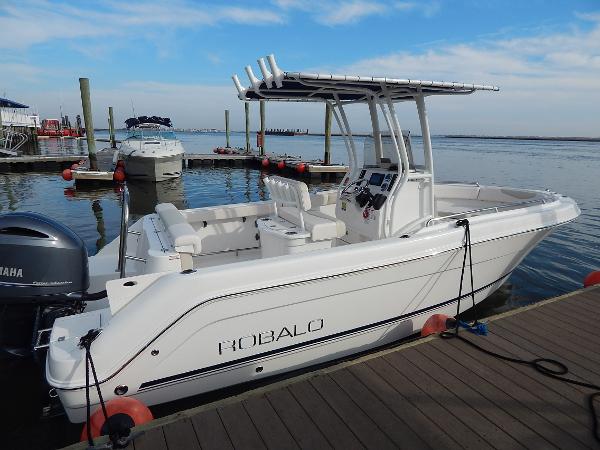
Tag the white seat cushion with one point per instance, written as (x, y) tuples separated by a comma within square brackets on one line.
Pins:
[(182, 234), (323, 198), (320, 226)]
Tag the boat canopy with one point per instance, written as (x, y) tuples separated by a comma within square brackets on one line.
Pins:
[(300, 86), (380, 94), (136, 121), (6, 103)]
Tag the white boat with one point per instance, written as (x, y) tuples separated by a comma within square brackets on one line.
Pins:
[(217, 296), (151, 150)]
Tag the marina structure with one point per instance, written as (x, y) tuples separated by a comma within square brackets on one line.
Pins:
[(17, 127)]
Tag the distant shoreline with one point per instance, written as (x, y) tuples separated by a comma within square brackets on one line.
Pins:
[(449, 136), (524, 138)]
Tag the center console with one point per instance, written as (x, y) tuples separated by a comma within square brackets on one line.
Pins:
[(362, 201)]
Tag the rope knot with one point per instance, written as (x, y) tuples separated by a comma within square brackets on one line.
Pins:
[(87, 339)]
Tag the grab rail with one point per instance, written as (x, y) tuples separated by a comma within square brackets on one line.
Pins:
[(123, 233), (485, 210)]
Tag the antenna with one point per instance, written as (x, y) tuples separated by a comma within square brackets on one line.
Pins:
[(132, 108)]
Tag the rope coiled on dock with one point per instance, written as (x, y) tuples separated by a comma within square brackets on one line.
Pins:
[(548, 367)]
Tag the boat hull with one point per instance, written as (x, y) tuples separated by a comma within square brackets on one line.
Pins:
[(247, 334), (154, 169)]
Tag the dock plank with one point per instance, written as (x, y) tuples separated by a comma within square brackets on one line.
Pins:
[(152, 439), (427, 429), (333, 428), (526, 398), (494, 402), (299, 424), (369, 434), (239, 426), (418, 396), (397, 430), (429, 362), (210, 431), (181, 434), (272, 430), (453, 403)]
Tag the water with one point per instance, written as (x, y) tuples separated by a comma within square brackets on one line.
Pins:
[(556, 266)]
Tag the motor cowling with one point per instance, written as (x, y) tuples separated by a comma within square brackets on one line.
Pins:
[(40, 259)]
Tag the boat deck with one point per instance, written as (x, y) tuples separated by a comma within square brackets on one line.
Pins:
[(430, 393)]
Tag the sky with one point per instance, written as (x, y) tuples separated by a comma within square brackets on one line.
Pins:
[(175, 58)]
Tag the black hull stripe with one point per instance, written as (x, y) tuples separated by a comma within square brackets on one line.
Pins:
[(252, 358)]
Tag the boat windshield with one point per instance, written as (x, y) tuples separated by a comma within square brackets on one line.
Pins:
[(150, 133)]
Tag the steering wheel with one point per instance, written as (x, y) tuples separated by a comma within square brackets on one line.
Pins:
[(356, 182)]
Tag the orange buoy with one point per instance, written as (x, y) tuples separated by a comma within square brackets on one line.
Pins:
[(74, 166), (122, 412), (301, 167), (67, 175), (265, 162), (119, 175), (436, 324), (281, 165), (592, 279)]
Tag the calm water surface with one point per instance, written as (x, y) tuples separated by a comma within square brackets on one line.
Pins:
[(556, 266)]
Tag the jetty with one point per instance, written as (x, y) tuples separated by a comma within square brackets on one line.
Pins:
[(426, 393)]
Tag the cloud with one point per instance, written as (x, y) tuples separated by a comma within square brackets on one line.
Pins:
[(546, 80), (338, 12), (31, 22), (350, 12)]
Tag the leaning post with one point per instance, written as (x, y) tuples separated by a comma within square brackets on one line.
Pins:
[(262, 127), (111, 126), (247, 111), (227, 127), (84, 87), (327, 155)]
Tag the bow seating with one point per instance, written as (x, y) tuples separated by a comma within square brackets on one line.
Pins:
[(182, 235)]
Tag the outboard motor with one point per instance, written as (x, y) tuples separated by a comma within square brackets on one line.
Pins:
[(43, 275)]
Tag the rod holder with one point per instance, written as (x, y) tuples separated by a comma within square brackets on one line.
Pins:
[(267, 76), (241, 90), (277, 72), (255, 82)]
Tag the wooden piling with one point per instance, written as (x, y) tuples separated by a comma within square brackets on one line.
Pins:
[(111, 126), (227, 127), (262, 127), (247, 111), (84, 87), (327, 155)]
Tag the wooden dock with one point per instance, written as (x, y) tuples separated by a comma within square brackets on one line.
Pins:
[(38, 163), (429, 393), (312, 170)]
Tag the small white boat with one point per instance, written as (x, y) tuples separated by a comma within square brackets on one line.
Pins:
[(217, 296), (151, 151)]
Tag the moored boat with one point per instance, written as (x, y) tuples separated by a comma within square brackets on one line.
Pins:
[(212, 297), (151, 151)]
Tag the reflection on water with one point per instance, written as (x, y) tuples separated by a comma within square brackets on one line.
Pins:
[(144, 196)]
